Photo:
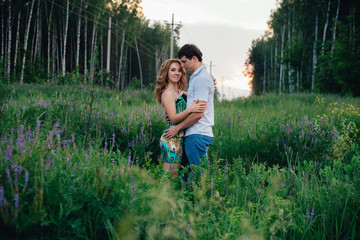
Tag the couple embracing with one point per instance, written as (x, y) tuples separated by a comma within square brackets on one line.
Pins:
[(191, 114)]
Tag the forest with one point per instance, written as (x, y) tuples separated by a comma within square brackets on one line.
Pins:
[(54, 41), (310, 46)]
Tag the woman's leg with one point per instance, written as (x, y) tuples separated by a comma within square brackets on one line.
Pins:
[(174, 168)]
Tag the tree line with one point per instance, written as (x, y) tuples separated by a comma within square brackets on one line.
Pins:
[(310, 46), (67, 41)]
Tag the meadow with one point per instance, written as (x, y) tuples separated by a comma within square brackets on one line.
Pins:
[(82, 163)]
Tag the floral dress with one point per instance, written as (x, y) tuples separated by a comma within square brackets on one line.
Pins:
[(172, 149)]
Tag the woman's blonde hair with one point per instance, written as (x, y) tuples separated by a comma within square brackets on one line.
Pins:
[(162, 80)]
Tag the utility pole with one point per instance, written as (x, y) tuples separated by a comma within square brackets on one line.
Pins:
[(109, 46), (172, 37), (211, 65)]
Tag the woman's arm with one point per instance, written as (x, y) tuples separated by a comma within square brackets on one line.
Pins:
[(168, 101)]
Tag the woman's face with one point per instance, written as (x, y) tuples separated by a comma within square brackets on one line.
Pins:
[(175, 72)]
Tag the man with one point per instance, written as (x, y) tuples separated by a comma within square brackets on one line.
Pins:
[(198, 134)]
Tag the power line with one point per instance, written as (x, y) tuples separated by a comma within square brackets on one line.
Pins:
[(191, 41), (149, 53), (143, 44)]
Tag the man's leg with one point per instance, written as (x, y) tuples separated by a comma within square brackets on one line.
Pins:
[(196, 147)]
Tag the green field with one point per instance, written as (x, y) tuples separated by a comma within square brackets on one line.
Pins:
[(82, 164)]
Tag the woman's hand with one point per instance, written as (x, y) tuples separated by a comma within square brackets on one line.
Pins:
[(197, 107)]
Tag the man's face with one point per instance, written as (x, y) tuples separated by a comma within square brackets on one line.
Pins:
[(188, 64)]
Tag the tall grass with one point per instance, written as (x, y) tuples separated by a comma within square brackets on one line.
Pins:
[(280, 167)]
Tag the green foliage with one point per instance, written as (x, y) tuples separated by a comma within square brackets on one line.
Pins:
[(52, 188), (297, 50)]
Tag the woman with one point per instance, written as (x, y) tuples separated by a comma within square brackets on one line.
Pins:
[(170, 84)]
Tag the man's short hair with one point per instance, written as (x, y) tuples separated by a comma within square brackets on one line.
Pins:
[(190, 50)]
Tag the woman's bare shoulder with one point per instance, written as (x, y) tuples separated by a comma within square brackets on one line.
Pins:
[(167, 95)]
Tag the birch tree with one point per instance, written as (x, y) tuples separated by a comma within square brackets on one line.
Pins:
[(314, 56), (122, 80), (85, 47), (17, 39), (26, 41), (65, 38), (282, 57), (78, 37), (8, 60), (139, 61), (325, 28), (49, 24), (334, 29)]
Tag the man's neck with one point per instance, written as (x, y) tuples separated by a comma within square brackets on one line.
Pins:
[(197, 65)]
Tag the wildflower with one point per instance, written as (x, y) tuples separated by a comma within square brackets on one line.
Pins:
[(3, 202), (129, 160), (226, 168), (133, 194), (7, 155), (26, 179), (312, 213), (212, 185), (19, 143), (8, 174), (57, 124), (16, 202), (105, 136), (113, 139), (48, 163)]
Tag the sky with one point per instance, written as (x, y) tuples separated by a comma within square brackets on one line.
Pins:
[(223, 30)]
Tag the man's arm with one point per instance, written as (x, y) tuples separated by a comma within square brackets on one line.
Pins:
[(189, 121)]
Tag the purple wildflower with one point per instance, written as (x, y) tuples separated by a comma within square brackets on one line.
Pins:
[(16, 202), (20, 130), (26, 178), (308, 215), (19, 143), (38, 124), (57, 124), (7, 155), (129, 160), (133, 194), (312, 213), (8, 174), (226, 168), (3, 202), (1, 194), (212, 185)]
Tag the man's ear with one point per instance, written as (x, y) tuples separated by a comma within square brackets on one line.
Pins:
[(194, 58)]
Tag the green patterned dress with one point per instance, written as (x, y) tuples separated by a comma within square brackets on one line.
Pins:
[(172, 149)]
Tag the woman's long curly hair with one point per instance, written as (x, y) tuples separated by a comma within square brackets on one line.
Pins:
[(162, 80)]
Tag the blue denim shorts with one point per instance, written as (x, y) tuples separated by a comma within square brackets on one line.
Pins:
[(196, 147)]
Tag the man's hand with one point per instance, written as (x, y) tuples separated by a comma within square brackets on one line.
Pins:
[(171, 132)]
